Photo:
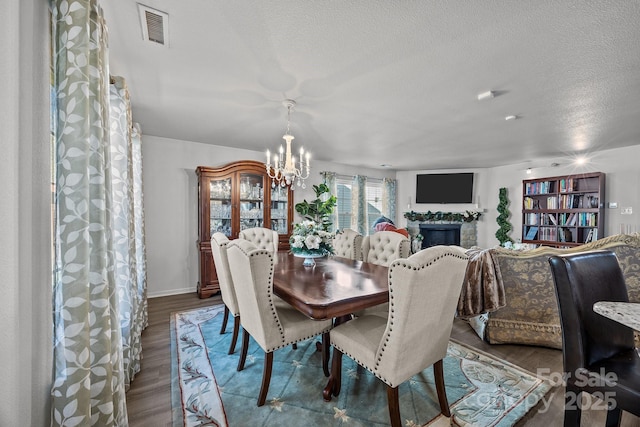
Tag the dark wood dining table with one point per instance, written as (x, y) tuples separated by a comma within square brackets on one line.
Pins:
[(334, 288)]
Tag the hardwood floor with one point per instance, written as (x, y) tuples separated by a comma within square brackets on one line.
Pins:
[(149, 398)]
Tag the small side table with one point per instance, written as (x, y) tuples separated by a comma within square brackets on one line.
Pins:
[(627, 313)]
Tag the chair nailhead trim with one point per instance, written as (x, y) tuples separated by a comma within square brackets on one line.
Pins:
[(403, 263)]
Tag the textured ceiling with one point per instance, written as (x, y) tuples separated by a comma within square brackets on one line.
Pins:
[(393, 82)]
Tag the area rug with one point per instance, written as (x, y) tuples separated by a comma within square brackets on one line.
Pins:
[(208, 391)]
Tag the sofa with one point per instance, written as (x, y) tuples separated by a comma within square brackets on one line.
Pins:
[(518, 291)]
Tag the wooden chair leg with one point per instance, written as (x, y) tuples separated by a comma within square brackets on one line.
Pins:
[(224, 320), (572, 409), (326, 345), (438, 373), (336, 371), (243, 351), (614, 417), (394, 406), (266, 377), (234, 337)]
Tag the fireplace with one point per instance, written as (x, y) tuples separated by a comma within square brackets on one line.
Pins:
[(440, 234)]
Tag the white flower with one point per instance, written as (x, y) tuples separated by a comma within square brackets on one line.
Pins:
[(298, 241), (312, 242), (308, 236)]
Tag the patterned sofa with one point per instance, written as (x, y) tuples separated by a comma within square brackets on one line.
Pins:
[(530, 314)]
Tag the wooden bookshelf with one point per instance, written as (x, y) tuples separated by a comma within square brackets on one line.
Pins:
[(563, 211)]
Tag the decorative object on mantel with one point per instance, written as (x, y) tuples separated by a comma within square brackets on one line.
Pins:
[(467, 216), (311, 238), (416, 243), (503, 219), (283, 172)]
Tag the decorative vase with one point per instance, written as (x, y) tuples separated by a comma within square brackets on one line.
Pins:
[(416, 245), (309, 260)]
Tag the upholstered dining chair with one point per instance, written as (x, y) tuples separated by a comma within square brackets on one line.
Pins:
[(423, 296), (382, 248), (271, 325), (598, 353), (263, 238), (348, 244), (219, 250)]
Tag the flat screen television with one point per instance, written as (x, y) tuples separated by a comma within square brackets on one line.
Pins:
[(444, 188)]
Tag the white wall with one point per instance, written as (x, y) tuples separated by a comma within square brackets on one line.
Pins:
[(171, 205), (621, 166), (407, 197), (25, 212)]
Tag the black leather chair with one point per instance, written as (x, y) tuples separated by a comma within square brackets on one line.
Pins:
[(598, 353)]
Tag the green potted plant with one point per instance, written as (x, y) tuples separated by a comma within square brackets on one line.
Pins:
[(503, 218), (320, 209), (311, 238)]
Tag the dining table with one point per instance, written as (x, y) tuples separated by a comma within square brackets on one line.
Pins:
[(333, 288), (627, 313)]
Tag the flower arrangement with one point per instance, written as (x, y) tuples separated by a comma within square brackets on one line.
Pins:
[(308, 237), (467, 216)]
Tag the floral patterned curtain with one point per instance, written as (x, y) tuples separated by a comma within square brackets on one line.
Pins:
[(139, 227), (99, 308), (127, 226), (330, 181), (359, 204), (389, 198)]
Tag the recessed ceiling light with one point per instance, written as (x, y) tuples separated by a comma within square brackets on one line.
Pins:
[(486, 95), (511, 117)]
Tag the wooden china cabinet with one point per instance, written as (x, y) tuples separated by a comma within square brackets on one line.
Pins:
[(232, 198)]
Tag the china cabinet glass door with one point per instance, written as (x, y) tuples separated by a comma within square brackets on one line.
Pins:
[(251, 200), (279, 209), (220, 206)]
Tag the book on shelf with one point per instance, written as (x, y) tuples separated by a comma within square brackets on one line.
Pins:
[(589, 237), (552, 217), (531, 233), (564, 235)]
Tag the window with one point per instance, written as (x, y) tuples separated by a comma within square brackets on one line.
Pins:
[(374, 202), (344, 203), (373, 197)]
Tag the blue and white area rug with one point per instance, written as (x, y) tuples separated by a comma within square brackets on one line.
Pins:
[(208, 391)]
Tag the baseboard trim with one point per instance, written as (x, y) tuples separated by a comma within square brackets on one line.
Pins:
[(171, 292)]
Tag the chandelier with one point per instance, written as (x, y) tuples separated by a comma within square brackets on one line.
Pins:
[(283, 171)]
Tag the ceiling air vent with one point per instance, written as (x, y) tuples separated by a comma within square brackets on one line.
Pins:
[(155, 25)]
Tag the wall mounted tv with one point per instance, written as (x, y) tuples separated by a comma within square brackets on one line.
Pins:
[(444, 188)]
